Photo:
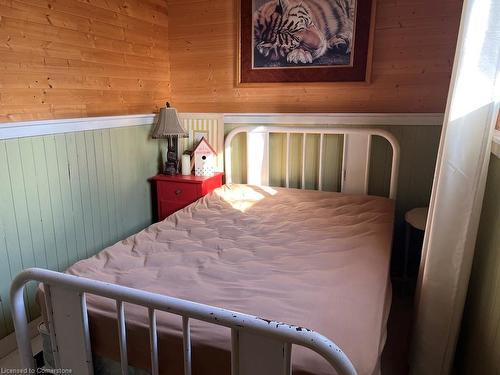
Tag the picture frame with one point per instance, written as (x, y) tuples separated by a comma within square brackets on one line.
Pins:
[(282, 41)]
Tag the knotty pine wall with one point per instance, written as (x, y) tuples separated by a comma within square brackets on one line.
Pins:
[(77, 58), (413, 54)]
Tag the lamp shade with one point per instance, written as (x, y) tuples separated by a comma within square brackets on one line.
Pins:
[(168, 124)]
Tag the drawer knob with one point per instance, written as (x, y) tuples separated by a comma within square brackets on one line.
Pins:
[(178, 191)]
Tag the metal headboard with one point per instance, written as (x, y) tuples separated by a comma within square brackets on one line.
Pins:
[(355, 162)]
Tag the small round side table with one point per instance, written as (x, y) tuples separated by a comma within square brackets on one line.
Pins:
[(415, 219)]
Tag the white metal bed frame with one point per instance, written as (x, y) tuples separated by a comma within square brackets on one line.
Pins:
[(258, 346), (355, 161)]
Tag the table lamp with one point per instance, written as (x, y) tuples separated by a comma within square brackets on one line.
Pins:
[(169, 127)]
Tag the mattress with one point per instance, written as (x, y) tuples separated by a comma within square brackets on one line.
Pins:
[(308, 258)]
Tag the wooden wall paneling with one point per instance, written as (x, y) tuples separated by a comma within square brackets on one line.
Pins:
[(414, 46), (149, 167), (100, 186), (62, 199), (84, 187), (333, 149), (8, 213), (277, 159), (41, 181), (3, 329), (55, 199), (95, 205), (76, 199), (20, 208), (64, 174), (118, 185), (66, 59), (5, 266), (295, 175), (32, 219), (109, 189), (132, 166), (126, 141)]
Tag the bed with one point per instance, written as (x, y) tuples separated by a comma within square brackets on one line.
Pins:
[(308, 258)]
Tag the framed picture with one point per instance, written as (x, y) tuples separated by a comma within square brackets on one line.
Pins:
[(304, 40)]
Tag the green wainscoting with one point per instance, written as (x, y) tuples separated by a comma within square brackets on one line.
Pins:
[(478, 350), (419, 146), (65, 197)]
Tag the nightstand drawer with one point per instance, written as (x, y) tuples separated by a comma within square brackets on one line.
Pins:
[(178, 192), (173, 193)]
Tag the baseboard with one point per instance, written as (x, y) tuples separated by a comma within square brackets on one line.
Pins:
[(9, 344)]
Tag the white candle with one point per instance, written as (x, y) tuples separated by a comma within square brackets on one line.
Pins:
[(186, 165)]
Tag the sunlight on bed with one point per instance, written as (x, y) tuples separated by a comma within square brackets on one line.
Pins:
[(243, 197)]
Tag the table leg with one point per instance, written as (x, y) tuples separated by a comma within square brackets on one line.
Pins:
[(407, 250)]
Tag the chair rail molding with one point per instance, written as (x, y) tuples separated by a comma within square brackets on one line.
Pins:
[(401, 119), (22, 129)]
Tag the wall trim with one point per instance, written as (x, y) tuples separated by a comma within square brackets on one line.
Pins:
[(9, 343), (44, 127), (401, 119), (10, 130), (495, 146), (201, 115)]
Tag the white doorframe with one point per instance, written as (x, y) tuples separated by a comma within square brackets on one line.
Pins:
[(458, 189)]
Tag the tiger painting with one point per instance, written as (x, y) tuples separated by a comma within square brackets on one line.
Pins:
[(303, 32)]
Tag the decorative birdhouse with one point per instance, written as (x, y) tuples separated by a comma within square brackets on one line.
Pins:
[(204, 159)]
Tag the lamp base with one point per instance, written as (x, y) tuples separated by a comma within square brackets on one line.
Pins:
[(170, 168)]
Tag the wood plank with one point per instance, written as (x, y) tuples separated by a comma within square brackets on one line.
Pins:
[(41, 179), (135, 182), (66, 199), (59, 58), (5, 235), (94, 192), (56, 202), (405, 76), (110, 189), (101, 188), (88, 227), (76, 195), (118, 187), (17, 181)]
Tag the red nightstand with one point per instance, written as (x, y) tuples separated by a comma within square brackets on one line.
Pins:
[(176, 192)]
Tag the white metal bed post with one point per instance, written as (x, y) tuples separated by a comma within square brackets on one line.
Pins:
[(258, 345), (356, 160)]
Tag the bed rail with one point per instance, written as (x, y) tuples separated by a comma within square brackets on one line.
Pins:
[(258, 346), (355, 162)]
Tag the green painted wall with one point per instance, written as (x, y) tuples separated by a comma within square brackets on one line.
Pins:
[(65, 197), (479, 345)]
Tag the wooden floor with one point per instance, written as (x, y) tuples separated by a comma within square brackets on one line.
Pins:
[(395, 354)]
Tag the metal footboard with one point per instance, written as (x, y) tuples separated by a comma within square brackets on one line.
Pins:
[(258, 346)]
